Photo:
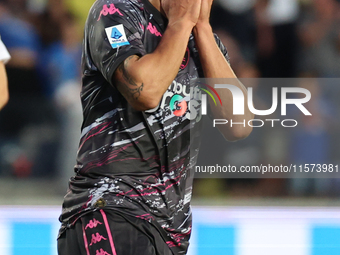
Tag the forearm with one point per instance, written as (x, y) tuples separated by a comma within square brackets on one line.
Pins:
[(154, 72), (3, 86), (215, 65), (212, 60)]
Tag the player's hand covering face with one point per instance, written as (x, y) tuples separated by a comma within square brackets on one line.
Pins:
[(181, 10), (205, 11)]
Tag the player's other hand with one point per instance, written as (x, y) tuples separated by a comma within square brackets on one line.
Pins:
[(205, 12), (186, 11)]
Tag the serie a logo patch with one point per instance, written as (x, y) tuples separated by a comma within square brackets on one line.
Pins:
[(116, 36)]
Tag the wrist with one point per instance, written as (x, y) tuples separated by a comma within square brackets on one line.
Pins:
[(181, 24), (203, 27)]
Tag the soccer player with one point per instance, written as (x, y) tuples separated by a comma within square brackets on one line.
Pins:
[(132, 189), (4, 58)]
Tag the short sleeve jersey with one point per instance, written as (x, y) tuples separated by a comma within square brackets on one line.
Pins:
[(4, 55), (137, 163)]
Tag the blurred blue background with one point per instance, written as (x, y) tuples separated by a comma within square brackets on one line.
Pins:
[(40, 127)]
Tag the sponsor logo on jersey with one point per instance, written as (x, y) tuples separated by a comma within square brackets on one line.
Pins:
[(183, 101), (153, 30), (109, 10), (116, 36), (101, 252), (93, 223), (96, 238)]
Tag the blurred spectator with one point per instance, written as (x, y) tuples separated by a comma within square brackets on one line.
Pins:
[(320, 37), (63, 87), (22, 42), (28, 121), (310, 142), (277, 43), (236, 18), (66, 50)]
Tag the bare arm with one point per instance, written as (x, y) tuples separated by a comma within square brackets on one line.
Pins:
[(215, 65), (4, 96), (144, 80)]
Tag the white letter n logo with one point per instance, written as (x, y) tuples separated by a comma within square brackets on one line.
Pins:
[(238, 97)]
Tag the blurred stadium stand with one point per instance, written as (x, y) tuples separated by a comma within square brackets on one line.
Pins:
[(40, 127)]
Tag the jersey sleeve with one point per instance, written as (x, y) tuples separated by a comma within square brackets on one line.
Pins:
[(4, 55), (222, 48), (113, 33)]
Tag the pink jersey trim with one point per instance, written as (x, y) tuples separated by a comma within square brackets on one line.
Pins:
[(85, 242), (108, 232)]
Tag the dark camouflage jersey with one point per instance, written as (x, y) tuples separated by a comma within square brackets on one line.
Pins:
[(137, 163)]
